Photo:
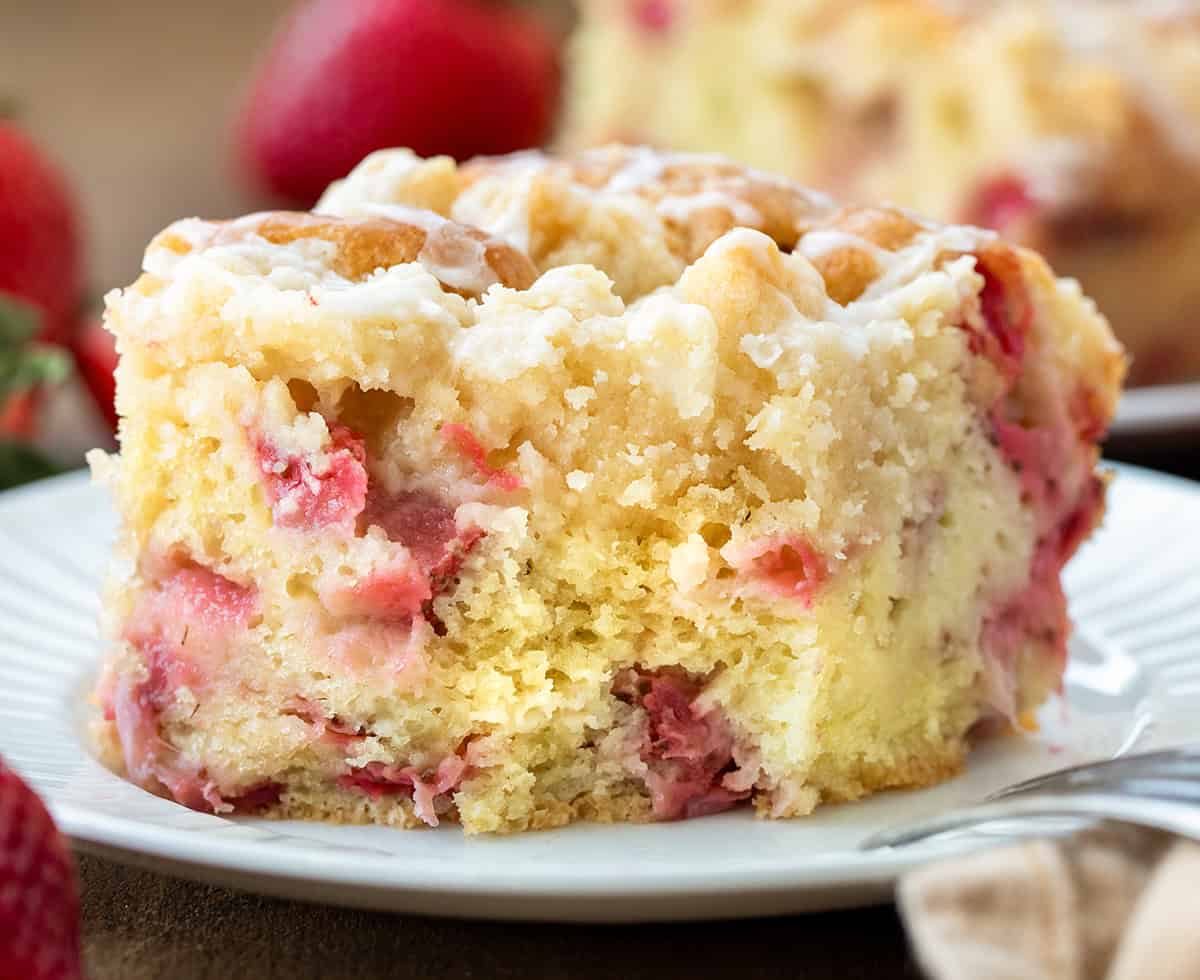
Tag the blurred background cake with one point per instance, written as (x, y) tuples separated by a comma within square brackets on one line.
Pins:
[(1072, 126)]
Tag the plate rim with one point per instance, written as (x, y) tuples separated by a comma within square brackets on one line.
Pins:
[(1156, 410)]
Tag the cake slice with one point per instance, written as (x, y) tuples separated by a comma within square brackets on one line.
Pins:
[(614, 487), (1072, 126)]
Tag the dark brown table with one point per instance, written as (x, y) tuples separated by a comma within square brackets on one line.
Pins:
[(139, 925)]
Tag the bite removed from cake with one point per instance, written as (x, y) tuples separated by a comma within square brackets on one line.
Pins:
[(613, 487)]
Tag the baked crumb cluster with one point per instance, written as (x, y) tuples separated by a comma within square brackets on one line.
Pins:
[(621, 486), (1073, 126)]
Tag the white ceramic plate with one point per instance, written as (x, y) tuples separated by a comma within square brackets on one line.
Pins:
[(1158, 411), (1134, 683)]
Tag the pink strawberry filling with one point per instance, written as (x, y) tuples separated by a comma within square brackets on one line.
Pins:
[(396, 593), (330, 729), (785, 565), (688, 751), (1003, 203), (381, 651), (1028, 451), (1038, 610), (430, 790), (329, 490), (405, 588), (257, 798), (333, 490), (1053, 462), (1007, 313), (417, 519), (653, 17), (465, 441), (184, 628)]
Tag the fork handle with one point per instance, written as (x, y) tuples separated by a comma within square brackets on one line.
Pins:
[(1177, 817)]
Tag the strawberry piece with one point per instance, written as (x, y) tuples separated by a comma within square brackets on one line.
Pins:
[(396, 592), (40, 251), (1004, 204), (310, 493), (654, 18), (379, 779), (406, 587), (95, 351), (331, 729), (1073, 530), (785, 565), (687, 752), (1007, 312), (1033, 454), (1040, 456), (417, 519), (184, 629), (39, 906), (465, 441), (196, 595), (461, 77), (1038, 609), (257, 798)]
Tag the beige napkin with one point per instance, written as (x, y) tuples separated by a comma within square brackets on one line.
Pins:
[(1113, 903)]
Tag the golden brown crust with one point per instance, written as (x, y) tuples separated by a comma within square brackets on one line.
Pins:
[(847, 272), (889, 228), (367, 244), (724, 194), (782, 208), (363, 245)]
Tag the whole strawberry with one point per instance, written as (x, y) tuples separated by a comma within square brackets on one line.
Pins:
[(40, 255), (345, 77), (39, 908)]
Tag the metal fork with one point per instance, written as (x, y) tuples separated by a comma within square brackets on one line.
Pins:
[(1154, 789)]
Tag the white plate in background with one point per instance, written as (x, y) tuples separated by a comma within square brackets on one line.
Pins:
[(1158, 410)]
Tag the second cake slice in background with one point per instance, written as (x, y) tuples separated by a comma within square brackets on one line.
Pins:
[(1073, 126)]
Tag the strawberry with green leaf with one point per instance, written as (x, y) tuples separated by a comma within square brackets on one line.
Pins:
[(41, 288), (25, 366)]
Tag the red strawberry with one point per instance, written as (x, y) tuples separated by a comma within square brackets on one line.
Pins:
[(96, 359), (25, 368), (39, 909), (18, 415), (462, 77), (39, 235), (1005, 204)]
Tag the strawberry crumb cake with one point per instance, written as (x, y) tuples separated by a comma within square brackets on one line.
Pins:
[(614, 487)]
